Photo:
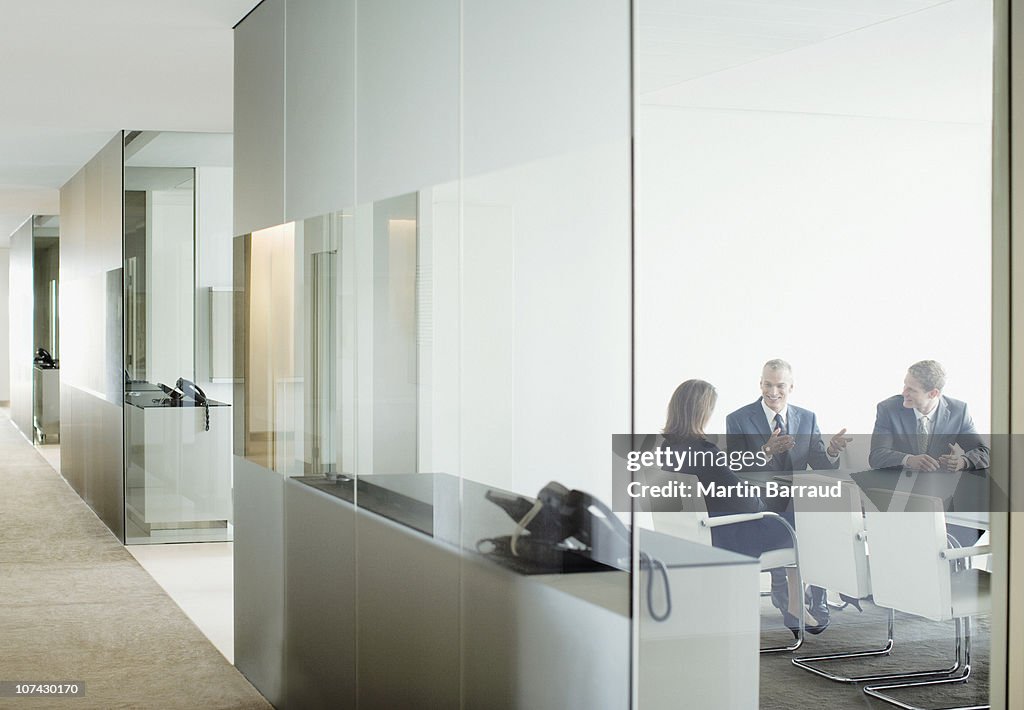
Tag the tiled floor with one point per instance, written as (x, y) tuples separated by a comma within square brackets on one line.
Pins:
[(198, 577)]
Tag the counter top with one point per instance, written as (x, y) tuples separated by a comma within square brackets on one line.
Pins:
[(430, 503)]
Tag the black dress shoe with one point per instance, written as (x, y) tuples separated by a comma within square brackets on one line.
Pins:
[(818, 607)]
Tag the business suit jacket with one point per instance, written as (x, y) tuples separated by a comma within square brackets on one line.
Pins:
[(895, 434), (753, 537), (747, 429)]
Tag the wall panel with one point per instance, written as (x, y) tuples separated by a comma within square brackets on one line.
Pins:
[(320, 110), (92, 371), (542, 78), (259, 136), (21, 336), (407, 96)]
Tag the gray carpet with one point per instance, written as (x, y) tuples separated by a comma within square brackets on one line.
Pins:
[(75, 606), (919, 645)]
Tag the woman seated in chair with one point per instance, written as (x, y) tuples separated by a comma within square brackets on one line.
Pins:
[(689, 411)]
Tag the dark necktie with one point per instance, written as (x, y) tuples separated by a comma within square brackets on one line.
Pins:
[(922, 435), (785, 463)]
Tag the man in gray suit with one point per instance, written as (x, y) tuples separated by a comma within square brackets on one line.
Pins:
[(924, 430), (788, 434), (790, 437)]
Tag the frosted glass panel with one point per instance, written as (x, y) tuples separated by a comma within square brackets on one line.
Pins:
[(259, 138), (320, 164), (407, 96)]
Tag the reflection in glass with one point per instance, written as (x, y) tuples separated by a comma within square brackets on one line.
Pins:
[(159, 253), (328, 318), (45, 373), (323, 369)]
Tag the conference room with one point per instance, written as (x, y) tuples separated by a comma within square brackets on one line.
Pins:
[(816, 189)]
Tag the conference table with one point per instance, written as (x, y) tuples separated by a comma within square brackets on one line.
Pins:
[(968, 496)]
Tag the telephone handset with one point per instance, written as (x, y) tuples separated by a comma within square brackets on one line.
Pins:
[(186, 389), (570, 521), (44, 359), (172, 394), (192, 391), (563, 520)]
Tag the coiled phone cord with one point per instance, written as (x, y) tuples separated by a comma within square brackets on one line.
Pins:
[(652, 564)]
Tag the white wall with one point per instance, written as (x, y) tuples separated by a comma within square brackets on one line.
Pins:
[(847, 230), (849, 247), (18, 314), (170, 225), (213, 265), (5, 355)]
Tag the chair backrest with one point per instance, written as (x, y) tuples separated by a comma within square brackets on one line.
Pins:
[(685, 520), (907, 571), (833, 553)]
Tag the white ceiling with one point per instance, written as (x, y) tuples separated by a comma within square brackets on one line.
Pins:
[(73, 72), (679, 40)]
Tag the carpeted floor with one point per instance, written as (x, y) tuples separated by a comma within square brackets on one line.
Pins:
[(919, 645), (75, 606)]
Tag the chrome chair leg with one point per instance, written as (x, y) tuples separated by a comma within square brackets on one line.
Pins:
[(807, 662), (798, 642), (878, 691), (896, 675)]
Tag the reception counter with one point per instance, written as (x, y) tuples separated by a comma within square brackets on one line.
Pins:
[(385, 600), (178, 472)]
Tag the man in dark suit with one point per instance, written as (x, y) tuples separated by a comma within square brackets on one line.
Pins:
[(789, 435), (924, 430)]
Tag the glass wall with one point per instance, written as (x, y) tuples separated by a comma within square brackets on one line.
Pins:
[(178, 432), (485, 248), (805, 178), (435, 331)]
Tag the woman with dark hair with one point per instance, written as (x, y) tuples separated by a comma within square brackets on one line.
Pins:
[(689, 411)]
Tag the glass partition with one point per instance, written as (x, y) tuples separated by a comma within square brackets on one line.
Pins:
[(799, 196), (178, 429), (46, 329), (159, 252)]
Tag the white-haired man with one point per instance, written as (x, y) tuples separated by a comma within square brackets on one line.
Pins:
[(789, 437)]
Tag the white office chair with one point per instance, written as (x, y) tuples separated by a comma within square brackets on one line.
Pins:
[(693, 523), (913, 569), (834, 555)]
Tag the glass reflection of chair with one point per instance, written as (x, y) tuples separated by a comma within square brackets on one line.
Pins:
[(834, 555), (915, 570), (693, 523)]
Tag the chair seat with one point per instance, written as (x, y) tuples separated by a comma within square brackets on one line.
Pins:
[(782, 557), (970, 592)]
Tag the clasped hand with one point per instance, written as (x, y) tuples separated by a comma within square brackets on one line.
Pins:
[(953, 461)]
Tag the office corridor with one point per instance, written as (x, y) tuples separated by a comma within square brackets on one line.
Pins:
[(75, 606)]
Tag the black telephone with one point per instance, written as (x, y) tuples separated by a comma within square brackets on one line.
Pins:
[(185, 390), (563, 520), (173, 394), (564, 523), (44, 359)]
